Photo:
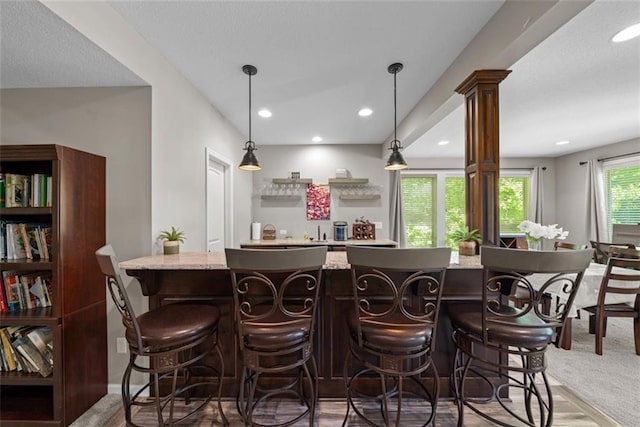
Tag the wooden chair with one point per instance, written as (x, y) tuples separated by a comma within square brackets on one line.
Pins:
[(275, 295), (176, 339), (390, 339), (618, 258), (568, 246), (602, 249), (488, 334)]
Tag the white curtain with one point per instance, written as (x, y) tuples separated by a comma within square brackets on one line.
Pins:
[(596, 226), (397, 230), (536, 195)]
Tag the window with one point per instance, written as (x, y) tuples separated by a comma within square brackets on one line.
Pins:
[(418, 201), (622, 191), (431, 223)]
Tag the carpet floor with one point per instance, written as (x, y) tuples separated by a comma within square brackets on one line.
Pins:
[(610, 382)]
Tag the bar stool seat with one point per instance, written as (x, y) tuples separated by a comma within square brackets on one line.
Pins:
[(520, 331), (174, 325), (391, 333)]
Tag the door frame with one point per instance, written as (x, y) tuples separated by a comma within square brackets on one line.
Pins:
[(213, 156)]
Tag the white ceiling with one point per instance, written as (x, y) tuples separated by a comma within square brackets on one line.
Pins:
[(319, 62)]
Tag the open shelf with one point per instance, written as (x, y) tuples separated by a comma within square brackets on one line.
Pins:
[(359, 196), (281, 197), (292, 181), (348, 181)]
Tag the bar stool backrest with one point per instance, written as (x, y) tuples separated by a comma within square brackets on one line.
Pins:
[(280, 285), (383, 280), (512, 267), (109, 266)]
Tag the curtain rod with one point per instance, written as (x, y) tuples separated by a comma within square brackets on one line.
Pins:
[(544, 168), (613, 157)]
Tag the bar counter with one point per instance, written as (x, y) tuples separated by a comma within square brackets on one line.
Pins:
[(203, 276)]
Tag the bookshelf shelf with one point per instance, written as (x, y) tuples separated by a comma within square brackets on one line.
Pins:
[(25, 211), (77, 317)]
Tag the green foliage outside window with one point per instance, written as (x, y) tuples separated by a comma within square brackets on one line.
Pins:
[(514, 203), (418, 201), (623, 195), (421, 212), (455, 219)]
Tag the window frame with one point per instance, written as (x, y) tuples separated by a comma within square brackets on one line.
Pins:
[(440, 187)]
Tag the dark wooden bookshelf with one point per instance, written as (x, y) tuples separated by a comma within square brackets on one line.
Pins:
[(78, 315)]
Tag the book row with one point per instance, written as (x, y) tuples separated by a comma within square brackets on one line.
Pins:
[(25, 240), (17, 190), (25, 290), (26, 349)]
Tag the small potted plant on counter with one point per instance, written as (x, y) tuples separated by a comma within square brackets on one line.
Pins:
[(467, 240), (171, 240)]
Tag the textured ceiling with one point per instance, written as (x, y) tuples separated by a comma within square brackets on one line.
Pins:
[(38, 49), (319, 62)]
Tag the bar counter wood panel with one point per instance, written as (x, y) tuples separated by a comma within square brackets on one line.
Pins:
[(172, 281)]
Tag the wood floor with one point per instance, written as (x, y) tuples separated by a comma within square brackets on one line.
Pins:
[(569, 411)]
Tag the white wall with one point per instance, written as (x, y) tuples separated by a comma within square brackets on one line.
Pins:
[(320, 163), (571, 189), (114, 123)]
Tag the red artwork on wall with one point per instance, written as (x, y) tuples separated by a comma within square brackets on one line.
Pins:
[(318, 202)]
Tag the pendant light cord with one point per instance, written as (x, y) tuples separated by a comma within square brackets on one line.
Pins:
[(395, 110), (250, 107)]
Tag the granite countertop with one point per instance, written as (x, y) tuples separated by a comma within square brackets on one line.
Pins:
[(217, 261), (330, 242)]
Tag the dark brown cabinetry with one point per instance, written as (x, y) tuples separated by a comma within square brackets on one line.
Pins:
[(77, 316), (166, 286)]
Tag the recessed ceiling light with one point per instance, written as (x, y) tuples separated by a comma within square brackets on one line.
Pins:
[(627, 34), (316, 139), (264, 113), (562, 142), (365, 112), (443, 142)]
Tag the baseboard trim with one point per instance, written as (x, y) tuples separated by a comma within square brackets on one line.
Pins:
[(117, 389)]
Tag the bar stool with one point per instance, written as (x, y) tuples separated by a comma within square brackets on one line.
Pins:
[(393, 326), (177, 340), (275, 293), (488, 334)]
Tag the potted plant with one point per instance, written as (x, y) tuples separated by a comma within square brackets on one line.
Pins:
[(467, 240), (171, 240)]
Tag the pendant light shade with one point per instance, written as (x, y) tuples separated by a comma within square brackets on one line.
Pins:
[(250, 161), (396, 161)]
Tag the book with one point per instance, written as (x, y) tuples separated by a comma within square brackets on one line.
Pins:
[(35, 284), (30, 353), (8, 351), (45, 234), (4, 307), (42, 339), (2, 190), (15, 243), (22, 228), (11, 284)]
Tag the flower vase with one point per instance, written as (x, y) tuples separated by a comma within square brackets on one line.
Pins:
[(534, 244)]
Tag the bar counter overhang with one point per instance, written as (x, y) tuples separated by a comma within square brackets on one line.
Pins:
[(192, 276)]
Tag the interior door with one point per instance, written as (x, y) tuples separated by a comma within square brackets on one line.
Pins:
[(218, 203)]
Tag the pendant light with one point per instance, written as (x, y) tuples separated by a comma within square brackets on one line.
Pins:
[(249, 161), (396, 161)]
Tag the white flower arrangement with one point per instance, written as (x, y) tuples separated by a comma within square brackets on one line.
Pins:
[(537, 231)]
